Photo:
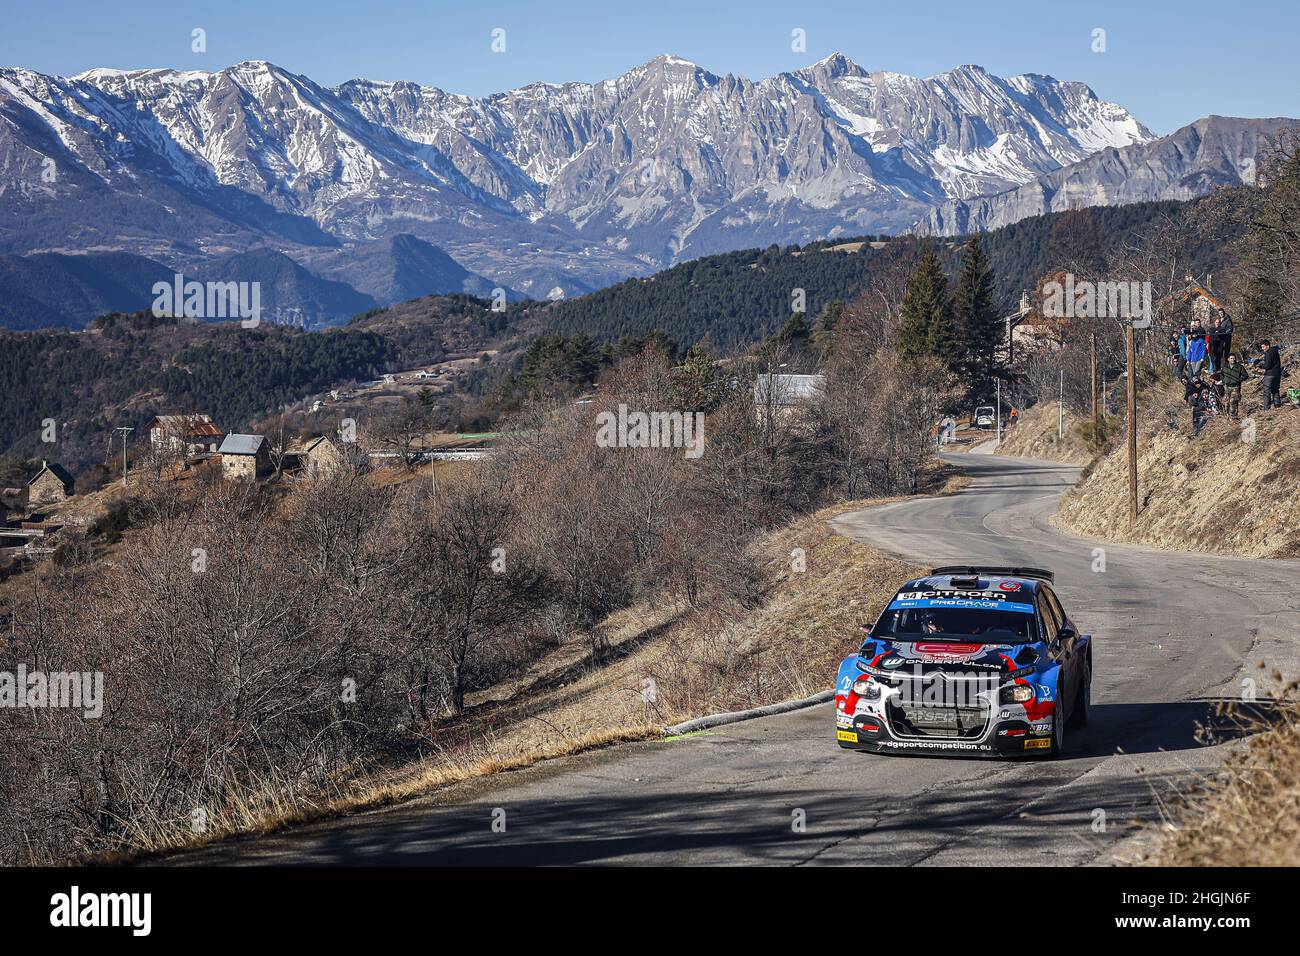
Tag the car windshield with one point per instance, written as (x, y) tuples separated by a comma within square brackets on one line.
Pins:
[(997, 626)]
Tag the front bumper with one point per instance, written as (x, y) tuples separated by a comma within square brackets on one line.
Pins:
[(1007, 734)]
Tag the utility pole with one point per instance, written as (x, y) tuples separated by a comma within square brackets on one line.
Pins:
[(999, 411), (125, 432), (1092, 358), (1130, 354), (1012, 321), (1060, 409)]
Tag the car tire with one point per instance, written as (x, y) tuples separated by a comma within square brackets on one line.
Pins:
[(1058, 732), (1082, 703)]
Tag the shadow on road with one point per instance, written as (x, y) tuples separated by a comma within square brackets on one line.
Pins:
[(690, 827), (1149, 728), (679, 826)]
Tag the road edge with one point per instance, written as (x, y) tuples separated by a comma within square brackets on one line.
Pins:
[(736, 716)]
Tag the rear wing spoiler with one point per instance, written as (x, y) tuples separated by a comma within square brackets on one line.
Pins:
[(1036, 573)]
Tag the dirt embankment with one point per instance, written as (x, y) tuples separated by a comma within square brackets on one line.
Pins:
[(1234, 489), (1224, 821), (1035, 436)]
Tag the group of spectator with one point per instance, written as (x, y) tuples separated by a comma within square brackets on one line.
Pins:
[(1213, 375), (1197, 348)]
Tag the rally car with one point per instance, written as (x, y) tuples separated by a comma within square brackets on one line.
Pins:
[(969, 660)]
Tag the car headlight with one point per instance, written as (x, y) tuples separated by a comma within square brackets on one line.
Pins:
[(1017, 694), (865, 687)]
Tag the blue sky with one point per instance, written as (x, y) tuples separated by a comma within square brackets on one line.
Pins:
[(1168, 62)]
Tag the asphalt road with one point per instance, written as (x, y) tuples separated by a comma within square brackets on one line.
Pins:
[(1171, 632)]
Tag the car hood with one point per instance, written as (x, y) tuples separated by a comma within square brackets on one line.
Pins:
[(903, 657)]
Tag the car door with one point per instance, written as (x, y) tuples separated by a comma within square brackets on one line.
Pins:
[(1051, 624), (1071, 662)]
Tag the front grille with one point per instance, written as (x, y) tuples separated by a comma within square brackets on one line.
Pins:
[(943, 703), (956, 723), (946, 702)]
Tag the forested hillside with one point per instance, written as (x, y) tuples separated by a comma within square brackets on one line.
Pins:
[(739, 297), (128, 368)]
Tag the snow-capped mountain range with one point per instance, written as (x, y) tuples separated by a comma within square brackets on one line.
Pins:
[(548, 189)]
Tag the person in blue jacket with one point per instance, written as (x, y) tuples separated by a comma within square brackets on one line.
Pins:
[(1197, 347)]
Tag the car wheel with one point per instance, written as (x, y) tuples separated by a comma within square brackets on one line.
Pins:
[(1058, 731), (1082, 703)]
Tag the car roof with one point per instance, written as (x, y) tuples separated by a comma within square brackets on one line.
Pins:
[(986, 581)]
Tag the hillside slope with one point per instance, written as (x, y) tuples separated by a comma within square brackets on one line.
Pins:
[(126, 368), (1035, 436), (49, 290), (738, 297), (1231, 490)]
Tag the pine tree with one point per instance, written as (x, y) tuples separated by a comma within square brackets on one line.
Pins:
[(978, 325), (700, 385), (795, 333), (823, 333), (927, 317), (583, 359)]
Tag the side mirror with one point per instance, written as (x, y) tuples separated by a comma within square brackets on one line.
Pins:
[(1065, 633)]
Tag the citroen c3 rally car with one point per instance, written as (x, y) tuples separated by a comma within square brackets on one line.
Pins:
[(971, 660)]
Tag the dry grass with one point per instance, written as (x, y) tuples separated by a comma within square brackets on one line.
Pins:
[(248, 816), (1248, 814), (1035, 436), (667, 663), (1215, 493)]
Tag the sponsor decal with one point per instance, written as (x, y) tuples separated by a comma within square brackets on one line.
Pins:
[(933, 745), (992, 594), (1037, 744), (941, 648), (843, 720), (893, 662), (848, 735), (979, 604), (1009, 586)]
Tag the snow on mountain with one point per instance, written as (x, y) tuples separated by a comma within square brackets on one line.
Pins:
[(596, 180), (1213, 152)]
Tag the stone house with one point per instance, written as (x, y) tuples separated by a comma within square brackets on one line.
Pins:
[(244, 457), (50, 485), (1193, 301), (320, 457), (184, 435)]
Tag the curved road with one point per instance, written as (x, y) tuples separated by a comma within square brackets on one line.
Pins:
[(1172, 631)]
